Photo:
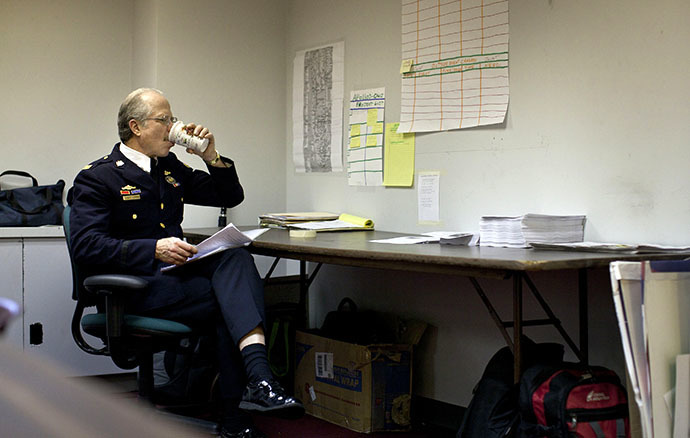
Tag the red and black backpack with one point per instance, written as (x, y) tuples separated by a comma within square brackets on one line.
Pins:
[(572, 400)]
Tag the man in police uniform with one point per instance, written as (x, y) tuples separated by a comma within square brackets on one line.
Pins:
[(126, 217)]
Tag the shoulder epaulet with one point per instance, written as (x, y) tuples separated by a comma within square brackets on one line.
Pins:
[(102, 160)]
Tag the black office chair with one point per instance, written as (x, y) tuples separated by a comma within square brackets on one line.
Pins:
[(129, 340)]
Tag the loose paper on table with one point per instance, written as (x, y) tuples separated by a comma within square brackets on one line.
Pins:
[(442, 237)]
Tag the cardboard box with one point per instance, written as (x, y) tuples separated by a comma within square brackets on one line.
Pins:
[(365, 388)]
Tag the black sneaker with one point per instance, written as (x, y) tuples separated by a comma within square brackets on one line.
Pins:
[(268, 397)]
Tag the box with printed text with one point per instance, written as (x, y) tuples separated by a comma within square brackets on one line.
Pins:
[(365, 388)]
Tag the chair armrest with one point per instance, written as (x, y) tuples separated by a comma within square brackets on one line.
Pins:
[(114, 287), (114, 283)]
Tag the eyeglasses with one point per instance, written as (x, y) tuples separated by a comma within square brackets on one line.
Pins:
[(164, 120)]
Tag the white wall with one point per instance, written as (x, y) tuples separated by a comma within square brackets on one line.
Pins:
[(65, 69), (597, 124), (67, 65), (221, 63)]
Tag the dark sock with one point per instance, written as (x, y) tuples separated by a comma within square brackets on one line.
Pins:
[(256, 364)]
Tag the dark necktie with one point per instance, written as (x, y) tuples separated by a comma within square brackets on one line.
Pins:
[(154, 168)]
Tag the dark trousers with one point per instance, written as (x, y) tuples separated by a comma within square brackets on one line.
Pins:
[(232, 302)]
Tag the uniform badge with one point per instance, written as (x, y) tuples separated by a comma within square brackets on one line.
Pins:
[(119, 163), (166, 172), (170, 180), (130, 193)]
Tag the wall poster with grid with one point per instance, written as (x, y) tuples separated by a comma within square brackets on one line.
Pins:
[(454, 64)]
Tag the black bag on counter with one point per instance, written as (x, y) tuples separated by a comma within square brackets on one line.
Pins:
[(31, 206)]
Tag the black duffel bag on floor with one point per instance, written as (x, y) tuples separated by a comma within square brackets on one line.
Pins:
[(31, 206)]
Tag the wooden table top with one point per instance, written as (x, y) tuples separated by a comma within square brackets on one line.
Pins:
[(354, 248)]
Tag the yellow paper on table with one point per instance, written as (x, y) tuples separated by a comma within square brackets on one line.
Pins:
[(356, 220), (344, 222), (398, 162)]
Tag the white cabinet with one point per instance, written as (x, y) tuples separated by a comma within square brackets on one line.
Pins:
[(35, 270)]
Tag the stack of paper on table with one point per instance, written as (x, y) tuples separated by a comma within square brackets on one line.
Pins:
[(284, 220), (520, 231), (501, 231), (620, 248), (344, 222)]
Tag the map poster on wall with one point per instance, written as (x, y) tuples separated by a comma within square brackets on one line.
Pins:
[(317, 111), (454, 64), (365, 139)]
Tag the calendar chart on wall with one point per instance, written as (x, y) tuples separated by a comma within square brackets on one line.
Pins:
[(454, 64)]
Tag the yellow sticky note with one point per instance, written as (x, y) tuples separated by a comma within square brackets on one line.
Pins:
[(377, 128), (392, 136), (372, 140), (354, 130), (406, 65), (372, 116), (398, 161), (355, 142)]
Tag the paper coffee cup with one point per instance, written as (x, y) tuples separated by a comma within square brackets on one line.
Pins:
[(179, 136)]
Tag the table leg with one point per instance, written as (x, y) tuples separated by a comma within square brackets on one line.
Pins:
[(492, 311), (584, 323), (552, 320), (517, 326), (303, 293), (305, 281)]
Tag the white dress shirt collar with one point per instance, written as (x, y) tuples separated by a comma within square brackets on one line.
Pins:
[(136, 157)]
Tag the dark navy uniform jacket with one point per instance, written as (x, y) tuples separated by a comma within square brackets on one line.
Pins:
[(119, 212)]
